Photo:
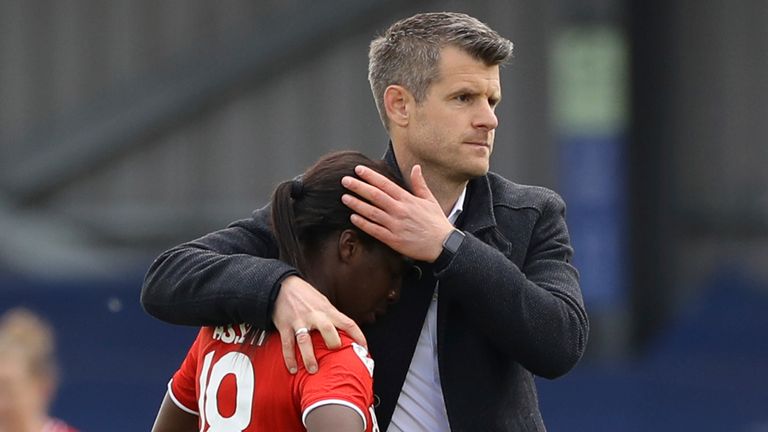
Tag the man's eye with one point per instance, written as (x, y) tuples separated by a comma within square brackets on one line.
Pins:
[(463, 98)]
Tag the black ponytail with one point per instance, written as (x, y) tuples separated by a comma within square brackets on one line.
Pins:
[(284, 224)]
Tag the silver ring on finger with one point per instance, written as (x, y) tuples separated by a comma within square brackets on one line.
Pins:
[(301, 331)]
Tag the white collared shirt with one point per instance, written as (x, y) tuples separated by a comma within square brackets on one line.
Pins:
[(421, 406)]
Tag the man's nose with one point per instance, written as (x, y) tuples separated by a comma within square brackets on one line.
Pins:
[(486, 117)]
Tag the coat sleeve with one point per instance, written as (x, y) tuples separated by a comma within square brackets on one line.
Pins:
[(228, 276), (535, 315)]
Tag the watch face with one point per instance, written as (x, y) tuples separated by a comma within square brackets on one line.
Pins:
[(454, 240)]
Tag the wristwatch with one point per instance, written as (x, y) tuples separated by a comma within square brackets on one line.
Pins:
[(450, 247)]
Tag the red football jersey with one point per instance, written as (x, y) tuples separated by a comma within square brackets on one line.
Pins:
[(238, 385)]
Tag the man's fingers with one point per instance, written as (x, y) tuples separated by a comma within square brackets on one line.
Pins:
[(419, 185), (376, 231), (379, 181), (330, 335), (305, 348), (349, 326), (373, 186), (369, 192), (366, 210), (300, 308), (289, 353)]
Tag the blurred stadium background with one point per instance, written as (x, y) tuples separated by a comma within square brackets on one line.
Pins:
[(128, 126)]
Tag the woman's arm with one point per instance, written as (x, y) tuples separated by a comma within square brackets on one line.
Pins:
[(171, 418), (339, 397), (334, 418)]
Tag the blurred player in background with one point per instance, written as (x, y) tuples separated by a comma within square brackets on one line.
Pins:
[(28, 374), (234, 378)]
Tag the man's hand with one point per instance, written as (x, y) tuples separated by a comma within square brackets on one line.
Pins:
[(412, 224), (301, 306)]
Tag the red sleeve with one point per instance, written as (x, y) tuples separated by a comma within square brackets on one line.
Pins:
[(344, 377), (183, 387)]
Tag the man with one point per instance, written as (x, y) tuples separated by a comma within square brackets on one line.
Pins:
[(489, 304)]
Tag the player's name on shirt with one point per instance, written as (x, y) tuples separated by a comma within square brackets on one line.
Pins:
[(236, 334), (231, 334)]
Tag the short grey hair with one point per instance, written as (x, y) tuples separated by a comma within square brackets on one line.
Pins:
[(408, 53)]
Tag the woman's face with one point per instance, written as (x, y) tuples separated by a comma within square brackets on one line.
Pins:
[(372, 281)]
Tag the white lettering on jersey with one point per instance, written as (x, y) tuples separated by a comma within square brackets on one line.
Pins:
[(362, 353), (230, 334)]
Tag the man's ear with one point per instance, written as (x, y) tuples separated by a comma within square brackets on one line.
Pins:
[(349, 245), (398, 102)]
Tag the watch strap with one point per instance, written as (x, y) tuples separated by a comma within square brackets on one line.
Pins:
[(450, 247)]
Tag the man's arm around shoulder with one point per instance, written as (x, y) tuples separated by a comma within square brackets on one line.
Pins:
[(227, 276)]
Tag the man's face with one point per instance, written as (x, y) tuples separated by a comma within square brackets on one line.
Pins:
[(451, 132)]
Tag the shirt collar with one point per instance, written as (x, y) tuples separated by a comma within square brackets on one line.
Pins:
[(453, 215)]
